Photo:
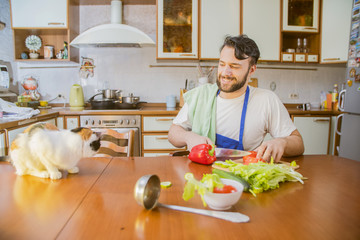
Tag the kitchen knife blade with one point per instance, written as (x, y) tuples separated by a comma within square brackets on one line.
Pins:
[(226, 152)]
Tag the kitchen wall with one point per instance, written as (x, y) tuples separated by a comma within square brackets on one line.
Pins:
[(132, 69)]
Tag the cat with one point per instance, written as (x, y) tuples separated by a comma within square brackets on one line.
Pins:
[(42, 150)]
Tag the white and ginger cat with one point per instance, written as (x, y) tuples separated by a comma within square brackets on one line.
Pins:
[(42, 150)]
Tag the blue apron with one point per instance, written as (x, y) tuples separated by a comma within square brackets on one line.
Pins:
[(225, 142)]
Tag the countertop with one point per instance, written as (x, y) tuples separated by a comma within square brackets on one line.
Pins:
[(152, 109), (98, 203)]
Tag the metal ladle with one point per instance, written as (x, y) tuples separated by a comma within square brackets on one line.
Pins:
[(147, 191)]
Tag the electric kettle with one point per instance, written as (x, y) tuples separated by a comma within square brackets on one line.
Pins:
[(76, 96)]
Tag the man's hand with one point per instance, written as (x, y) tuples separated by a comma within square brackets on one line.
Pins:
[(196, 139), (180, 137), (288, 146), (273, 148)]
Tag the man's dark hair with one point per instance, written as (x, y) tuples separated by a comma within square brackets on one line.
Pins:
[(244, 47)]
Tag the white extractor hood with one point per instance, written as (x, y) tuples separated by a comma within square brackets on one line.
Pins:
[(114, 34)]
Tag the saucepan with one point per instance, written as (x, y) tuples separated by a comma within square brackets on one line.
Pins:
[(147, 192), (108, 94)]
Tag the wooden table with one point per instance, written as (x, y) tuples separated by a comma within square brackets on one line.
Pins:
[(98, 203)]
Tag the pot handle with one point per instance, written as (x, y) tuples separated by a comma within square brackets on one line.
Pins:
[(92, 98)]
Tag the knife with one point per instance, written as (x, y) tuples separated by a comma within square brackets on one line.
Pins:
[(226, 152)]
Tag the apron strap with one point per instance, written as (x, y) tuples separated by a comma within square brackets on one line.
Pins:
[(243, 115)]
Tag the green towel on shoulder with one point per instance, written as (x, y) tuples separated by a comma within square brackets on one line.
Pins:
[(202, 109)]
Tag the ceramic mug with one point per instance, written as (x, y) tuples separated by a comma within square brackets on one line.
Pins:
[(48, 52), (170, 101)]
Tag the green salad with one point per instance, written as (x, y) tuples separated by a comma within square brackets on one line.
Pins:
[(262, 176)]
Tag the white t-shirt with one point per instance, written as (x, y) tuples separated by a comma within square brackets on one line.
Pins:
[(265, 114)]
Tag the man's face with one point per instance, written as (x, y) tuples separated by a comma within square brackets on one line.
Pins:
[(232, 72)]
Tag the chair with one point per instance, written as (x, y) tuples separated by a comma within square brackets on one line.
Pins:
[(115, 144)]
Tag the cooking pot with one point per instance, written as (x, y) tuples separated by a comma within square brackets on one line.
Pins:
[(108, 94), (130, 99)]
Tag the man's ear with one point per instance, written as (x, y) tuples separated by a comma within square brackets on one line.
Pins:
[(252, 69)]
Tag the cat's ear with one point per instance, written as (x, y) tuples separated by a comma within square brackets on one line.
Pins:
[(98, 134), (85, 133)]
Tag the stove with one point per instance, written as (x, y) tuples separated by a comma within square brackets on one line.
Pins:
[(119, 123)]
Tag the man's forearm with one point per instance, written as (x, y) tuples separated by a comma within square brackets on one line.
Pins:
[(177, 136), (294, 145)]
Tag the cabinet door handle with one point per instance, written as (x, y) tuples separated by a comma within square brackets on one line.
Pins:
[(56, 23), (164, 119), (187, 54), (331, 59), (310, 28), (161, 138), (321, 120)]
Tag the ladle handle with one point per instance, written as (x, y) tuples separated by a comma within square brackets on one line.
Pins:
[(229, 216)]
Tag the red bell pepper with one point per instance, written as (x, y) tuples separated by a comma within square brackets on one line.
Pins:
[(203, 153)]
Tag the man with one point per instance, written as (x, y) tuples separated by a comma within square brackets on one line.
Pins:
[(232, 114)]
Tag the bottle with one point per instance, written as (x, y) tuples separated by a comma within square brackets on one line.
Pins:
[(65, 53), (305, 48), (298, 48), (335, 97)]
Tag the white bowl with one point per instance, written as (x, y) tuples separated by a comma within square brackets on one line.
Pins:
[(223, 201)]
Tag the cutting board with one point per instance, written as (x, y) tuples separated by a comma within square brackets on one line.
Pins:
[(241, 161)]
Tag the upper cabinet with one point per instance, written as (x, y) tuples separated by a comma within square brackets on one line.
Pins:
[(177, 29), (53, 21), (335, 31), (301, 15), (263, 27), (215, 17), (52, 13)]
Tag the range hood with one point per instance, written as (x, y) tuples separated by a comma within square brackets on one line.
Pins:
[(114, 34)]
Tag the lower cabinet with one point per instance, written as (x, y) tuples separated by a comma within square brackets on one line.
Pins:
[(2, 143), (71, 122), (13, 132), (315, 132), (155, 136)]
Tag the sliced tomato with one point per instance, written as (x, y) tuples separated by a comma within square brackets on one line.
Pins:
[(225, 189), (250, 159), (252, 154)]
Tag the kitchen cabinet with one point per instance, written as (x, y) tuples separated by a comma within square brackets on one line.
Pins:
[(315, 132), (53, 13), (215, 17), (55, 22), (177, 29), (13, 132), (154, 136), (335, 31), (2, 143), (72, 122), (261, 22), (300, 15), (60, 122)]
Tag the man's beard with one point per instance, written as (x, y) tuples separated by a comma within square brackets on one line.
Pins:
[(234, 87)]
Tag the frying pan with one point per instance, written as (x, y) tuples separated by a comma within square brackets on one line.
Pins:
[(124, 105)]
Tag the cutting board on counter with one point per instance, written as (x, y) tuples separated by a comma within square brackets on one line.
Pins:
[(241, 161)]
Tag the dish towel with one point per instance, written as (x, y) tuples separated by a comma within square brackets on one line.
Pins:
[(202, 109), (13, 112)]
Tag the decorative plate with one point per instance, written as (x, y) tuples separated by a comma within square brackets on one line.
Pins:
[(33, 42)]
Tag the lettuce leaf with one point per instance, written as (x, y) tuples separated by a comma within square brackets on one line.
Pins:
[(263, 176), (207, 184)]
